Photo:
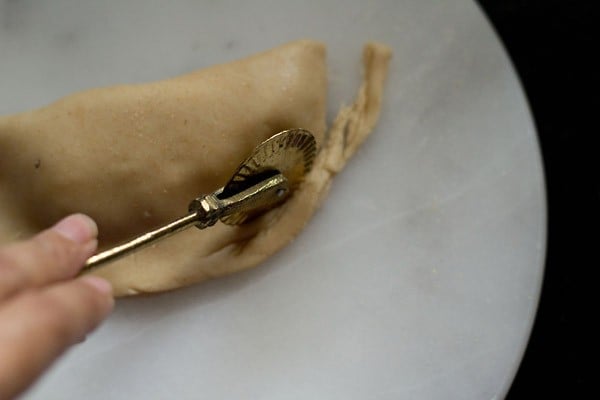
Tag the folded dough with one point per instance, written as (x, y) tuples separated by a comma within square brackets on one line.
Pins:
[(133, 156)]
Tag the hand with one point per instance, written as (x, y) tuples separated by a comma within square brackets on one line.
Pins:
[(43, 310)]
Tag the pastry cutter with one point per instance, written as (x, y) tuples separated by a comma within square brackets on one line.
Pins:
[(264, 180)]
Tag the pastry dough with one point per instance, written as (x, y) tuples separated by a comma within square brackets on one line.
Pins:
[(132, 157)]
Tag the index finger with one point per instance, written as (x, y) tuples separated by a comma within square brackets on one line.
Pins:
[(55, 254)]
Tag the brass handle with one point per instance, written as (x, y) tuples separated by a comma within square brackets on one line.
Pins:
[(204, 212), (139, 242)]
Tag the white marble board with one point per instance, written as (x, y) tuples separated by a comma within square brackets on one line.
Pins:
[(420, 276)]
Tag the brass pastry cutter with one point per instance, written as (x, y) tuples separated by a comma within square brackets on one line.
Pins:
[(264, 180)]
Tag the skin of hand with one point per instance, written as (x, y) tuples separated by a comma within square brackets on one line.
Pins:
[(44, 309)]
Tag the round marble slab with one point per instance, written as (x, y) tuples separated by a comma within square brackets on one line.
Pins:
[(418, 279)]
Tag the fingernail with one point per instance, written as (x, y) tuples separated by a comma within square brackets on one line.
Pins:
[(77, 227), (100, 284)]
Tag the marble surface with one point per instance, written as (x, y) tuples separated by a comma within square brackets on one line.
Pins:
[(420, 276)]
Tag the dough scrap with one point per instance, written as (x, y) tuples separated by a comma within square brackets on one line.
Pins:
[(133, 156)]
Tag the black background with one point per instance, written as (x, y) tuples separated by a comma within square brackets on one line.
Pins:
[(551, 44)]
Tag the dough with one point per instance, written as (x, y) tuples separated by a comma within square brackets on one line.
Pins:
[(133, 156)]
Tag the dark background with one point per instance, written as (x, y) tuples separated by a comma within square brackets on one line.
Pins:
[(551, 44)]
